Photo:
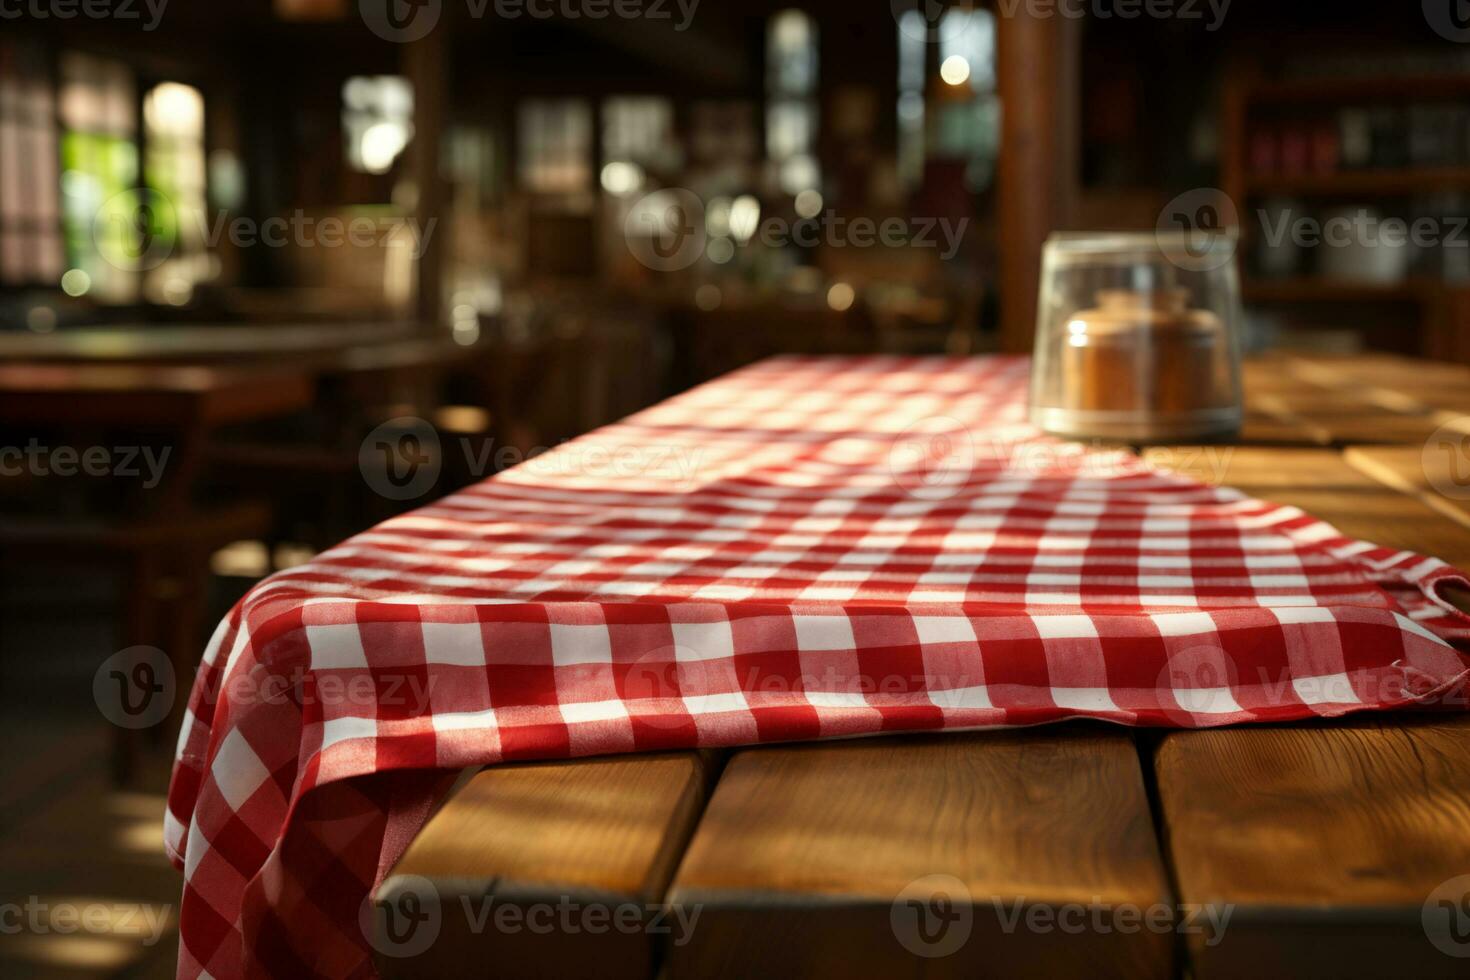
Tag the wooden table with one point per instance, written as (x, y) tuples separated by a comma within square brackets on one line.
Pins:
[(185, 402), (1329, 845), (201, 343)]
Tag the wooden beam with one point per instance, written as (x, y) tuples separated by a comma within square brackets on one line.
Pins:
[(426, 66), (1038, 175)]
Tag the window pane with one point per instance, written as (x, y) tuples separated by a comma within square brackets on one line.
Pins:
[(639, 129), (970, 34), (555, 137), (377, 121), (28, 168), (912, 49), (791, 54), (173, 117)]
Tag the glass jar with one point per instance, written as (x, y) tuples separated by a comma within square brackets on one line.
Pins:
[(1137, 338)]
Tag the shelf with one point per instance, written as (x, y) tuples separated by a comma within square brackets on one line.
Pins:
[(1367, 182), (1426, 88), (1307, 290)]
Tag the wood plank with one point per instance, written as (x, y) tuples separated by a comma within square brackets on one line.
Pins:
[(518, 844), (1345, 416), (1375, 426), (1438, 475), (808, 857), (1258, 470), (1327, 842), (1261, 428), (1384, 518), (1327, 485)]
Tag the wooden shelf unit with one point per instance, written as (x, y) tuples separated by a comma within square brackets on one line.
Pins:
[(1443, 309)]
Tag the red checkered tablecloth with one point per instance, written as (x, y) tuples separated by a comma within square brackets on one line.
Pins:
[(806, 548)]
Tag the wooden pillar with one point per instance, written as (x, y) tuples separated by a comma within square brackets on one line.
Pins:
[(426, 67), (1038, 83)]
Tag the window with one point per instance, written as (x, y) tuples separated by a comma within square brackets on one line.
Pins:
[(377, 120), (555, 140), (968, 128), (639, 129), (99, 154), (791, 112), (967, 49), (173, 123), (471, 165), (637, 134), (913, 49), (30, 223)]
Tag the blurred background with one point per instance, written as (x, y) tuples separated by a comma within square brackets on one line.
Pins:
[(251, 251)]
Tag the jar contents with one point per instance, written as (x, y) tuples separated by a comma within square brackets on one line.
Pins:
[(1143, 351)]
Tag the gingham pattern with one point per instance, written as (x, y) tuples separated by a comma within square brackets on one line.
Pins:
[(806, 548)]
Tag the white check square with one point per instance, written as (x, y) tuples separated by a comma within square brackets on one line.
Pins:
[(1064, 627), (459, 644), (1207, 700), (237, 770), (703, 641), (335, 647), (588, 711), (944, 629), (580, 645), (974, 698), (823, 633), (1325, 689), (1083, 698), (1183, 624)]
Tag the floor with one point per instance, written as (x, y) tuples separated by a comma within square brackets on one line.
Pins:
[(85, 889)]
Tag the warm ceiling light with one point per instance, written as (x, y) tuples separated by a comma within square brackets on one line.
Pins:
[(955, 70), (840, 297), (310, 9)]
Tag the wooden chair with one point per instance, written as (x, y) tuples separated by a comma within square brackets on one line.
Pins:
[(163, 562)]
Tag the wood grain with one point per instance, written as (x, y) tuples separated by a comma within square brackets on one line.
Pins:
[(1384, 518), (798, 862), (1327, 840), (1256, 469), (1440, 479), (1326, 484), (596, 834)]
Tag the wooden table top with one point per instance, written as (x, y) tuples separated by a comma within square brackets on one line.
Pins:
[(313, 349), (196, 343), (1330, 849), (165, 397)]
